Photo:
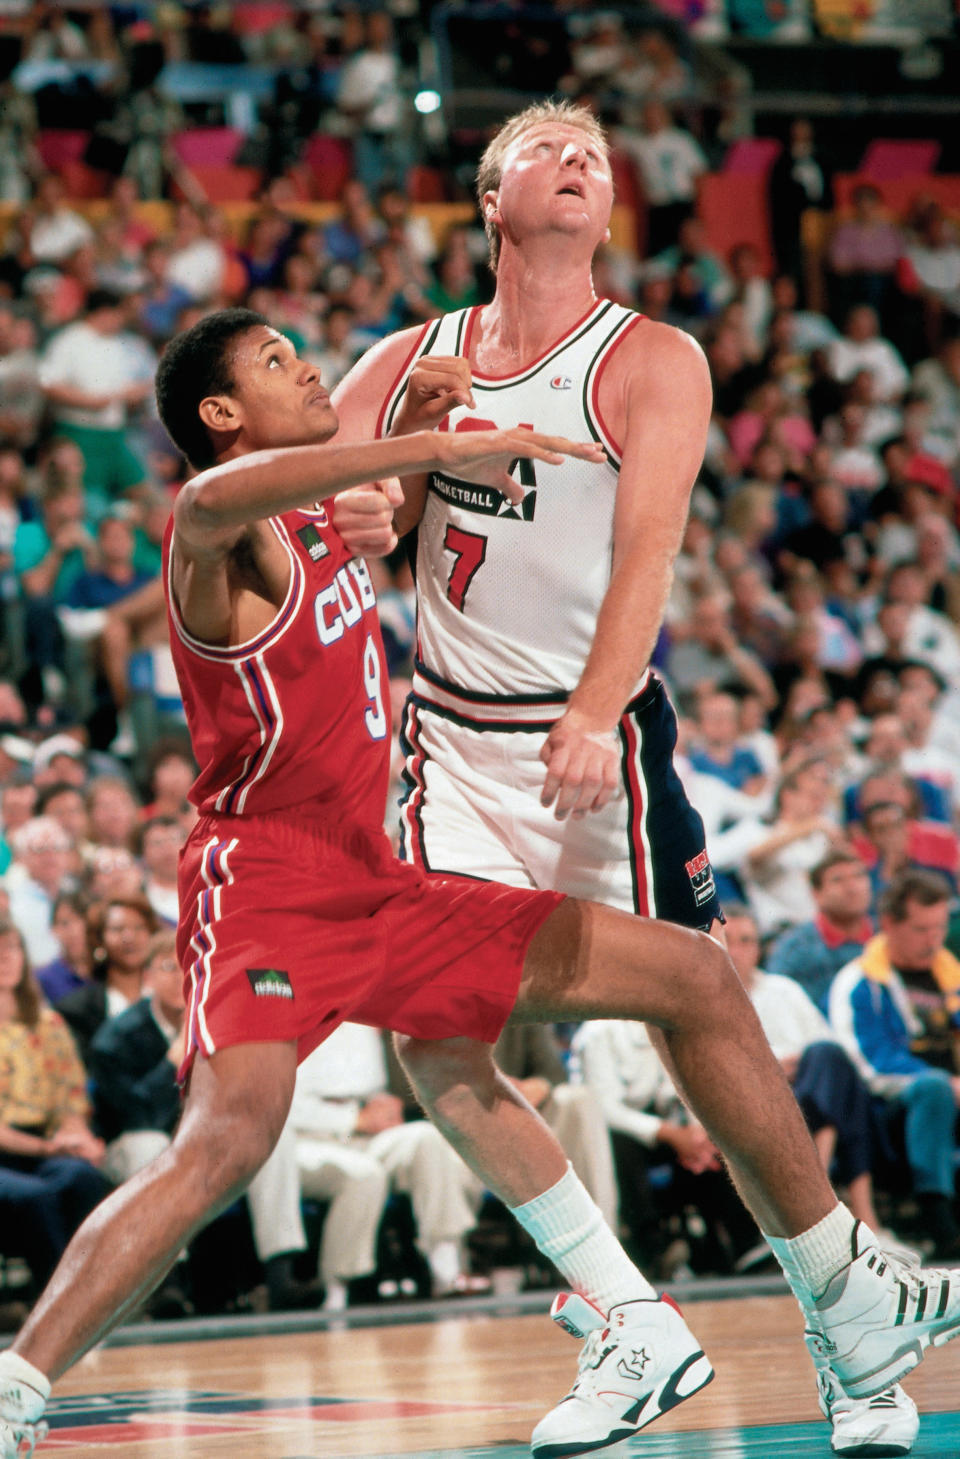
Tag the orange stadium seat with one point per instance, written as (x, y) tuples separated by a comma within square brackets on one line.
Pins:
[(227, 184), (734, 209)]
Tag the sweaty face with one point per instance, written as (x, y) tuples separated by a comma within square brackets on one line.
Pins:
[(554, 178), (280, 399)]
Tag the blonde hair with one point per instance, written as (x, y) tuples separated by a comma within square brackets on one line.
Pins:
[(491, 163)]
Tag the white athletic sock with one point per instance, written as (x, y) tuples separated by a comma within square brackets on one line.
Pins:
[(23, 1389), (445, 1265), (812, 1258), (569, 1229)]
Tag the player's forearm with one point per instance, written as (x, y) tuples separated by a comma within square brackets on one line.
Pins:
[(268, 483), (624, 640)]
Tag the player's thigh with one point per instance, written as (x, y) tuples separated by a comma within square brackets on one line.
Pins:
[(590, 961)]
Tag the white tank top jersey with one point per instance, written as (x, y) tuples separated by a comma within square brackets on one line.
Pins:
[(509, 595)]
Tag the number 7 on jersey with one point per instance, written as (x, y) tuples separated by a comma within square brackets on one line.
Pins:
[(469, 550)]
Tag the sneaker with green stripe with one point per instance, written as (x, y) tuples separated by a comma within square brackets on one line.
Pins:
[(879, 1314)]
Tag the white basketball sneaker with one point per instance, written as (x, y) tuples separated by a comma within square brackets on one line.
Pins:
[(18, 1440), (21, 1404), (866, 1428), (878, 1315), (635, 1365)]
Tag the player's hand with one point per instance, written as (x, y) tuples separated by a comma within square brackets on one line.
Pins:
[(485, 457), (437, 383), (363, 515), (583, 766), (381, 1112)]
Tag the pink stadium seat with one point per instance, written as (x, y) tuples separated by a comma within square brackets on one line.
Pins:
[(208, 146), (752, 156), (253, 19), (884, 160), (58, 147)]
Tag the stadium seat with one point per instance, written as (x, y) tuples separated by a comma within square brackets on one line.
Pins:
[(207, 146), (426, 185), (56, 147), (752, 156), (734, 209), (227, 184), (255, 19), (886, 160), (330, 163)]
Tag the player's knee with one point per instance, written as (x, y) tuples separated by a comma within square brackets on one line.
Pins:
[(712, 976), (439, 1069)]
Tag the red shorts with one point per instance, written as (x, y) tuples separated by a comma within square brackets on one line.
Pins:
[(288, 928)]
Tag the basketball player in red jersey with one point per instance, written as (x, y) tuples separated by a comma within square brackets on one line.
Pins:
[(531, 690), (296, 915)]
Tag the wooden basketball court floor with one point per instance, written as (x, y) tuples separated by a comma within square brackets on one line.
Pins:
[(464, 1384)]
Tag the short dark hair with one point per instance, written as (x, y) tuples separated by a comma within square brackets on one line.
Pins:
[(836, 856), (926, 888), (196, 364)]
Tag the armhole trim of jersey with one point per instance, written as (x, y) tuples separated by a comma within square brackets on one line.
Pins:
[(421, 346), (591, 387), (274, 630)]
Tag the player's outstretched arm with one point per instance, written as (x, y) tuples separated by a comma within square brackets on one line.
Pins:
[(214, 508)]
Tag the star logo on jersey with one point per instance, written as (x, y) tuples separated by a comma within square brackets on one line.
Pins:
[(313, 542), (561, 382), (486, 501)]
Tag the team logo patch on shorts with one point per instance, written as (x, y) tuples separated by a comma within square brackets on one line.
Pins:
[(313, 542), (270, 983), (700, 873)]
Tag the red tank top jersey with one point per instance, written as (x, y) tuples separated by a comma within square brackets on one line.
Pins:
[(298, 716)]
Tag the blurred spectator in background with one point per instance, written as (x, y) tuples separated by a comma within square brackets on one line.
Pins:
[(54, 230), (120, 930), (49, 1181), (91, 380), (669, 161), (39, 872), (861, 347), (370, 100), (73, 966), (863, 253), (717, 748), (711, 658), (773, 858), (798, 181), (813, 952), (161, 838), (896, 1010)]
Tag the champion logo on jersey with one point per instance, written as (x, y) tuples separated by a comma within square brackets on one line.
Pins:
[(313, 542), (561, 382)]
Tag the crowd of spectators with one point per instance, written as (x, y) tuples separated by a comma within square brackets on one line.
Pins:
[(811, 645)]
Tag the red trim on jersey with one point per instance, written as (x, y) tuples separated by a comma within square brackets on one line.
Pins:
[(388, 398), (532, 364), (595, 390), (635, 829)]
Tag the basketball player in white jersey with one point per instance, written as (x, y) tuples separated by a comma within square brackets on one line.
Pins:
[(538, 743)]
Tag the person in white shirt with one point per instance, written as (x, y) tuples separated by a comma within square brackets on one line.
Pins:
[(55, 231), (42, 851), (161, 838), (354, 1148), (861, 347), (670, 162), (91, 378)]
